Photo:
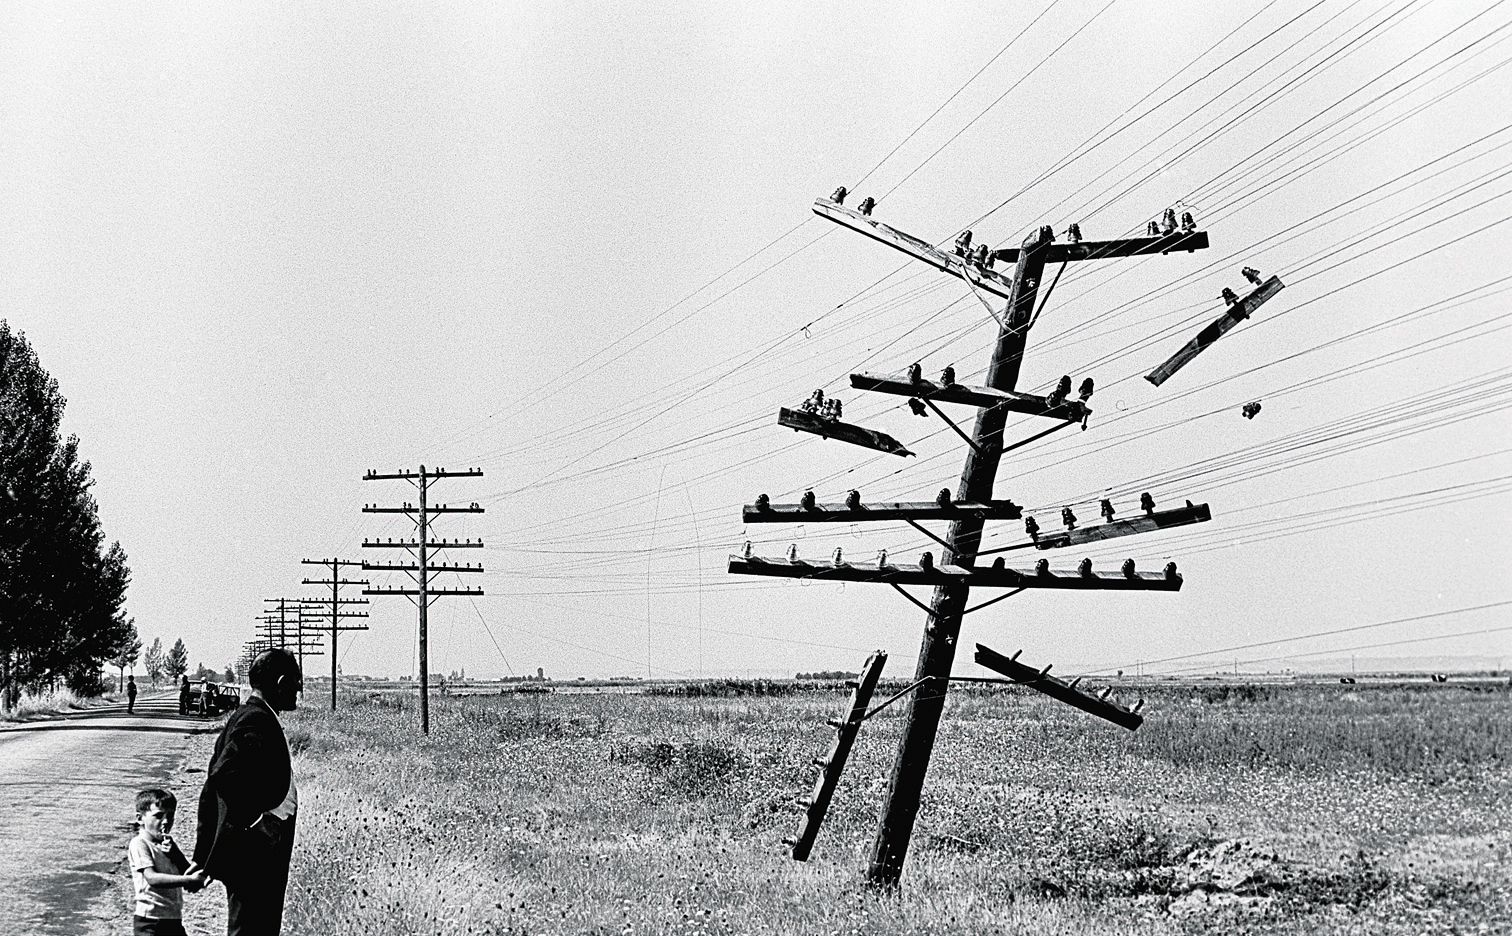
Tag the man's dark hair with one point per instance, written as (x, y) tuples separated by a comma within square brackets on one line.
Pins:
[(269, 665), (147, 799)]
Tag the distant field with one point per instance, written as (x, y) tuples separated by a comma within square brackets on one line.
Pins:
[(1237, 807)]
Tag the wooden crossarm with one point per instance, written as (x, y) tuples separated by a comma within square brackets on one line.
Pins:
[(900, 510), (1216, 329), (1108, 250), (1041, 681), (982, 577), (1069, 410), (1144, 523)]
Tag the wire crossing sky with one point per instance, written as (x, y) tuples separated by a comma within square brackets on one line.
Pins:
[(264, 250)]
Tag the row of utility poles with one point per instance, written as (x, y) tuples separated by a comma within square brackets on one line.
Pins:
[(298, 624)]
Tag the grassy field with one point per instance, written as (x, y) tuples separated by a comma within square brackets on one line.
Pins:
[(1236, 808)]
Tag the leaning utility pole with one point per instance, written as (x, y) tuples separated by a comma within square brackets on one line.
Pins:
[(336, 601), (973, 503), (422, 569)]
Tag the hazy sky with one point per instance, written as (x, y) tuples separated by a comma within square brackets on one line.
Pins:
[(264, 248)]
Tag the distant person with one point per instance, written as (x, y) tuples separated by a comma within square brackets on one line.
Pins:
[(131, 691), (159, 871), (247, 808), (184, 696), (204, 697)]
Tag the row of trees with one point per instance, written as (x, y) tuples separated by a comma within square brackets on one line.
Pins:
[(62, 588)]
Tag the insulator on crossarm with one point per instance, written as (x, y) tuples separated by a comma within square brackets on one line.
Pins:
[(947, 376), (881, 558), (1042, 568), (807, 500), (1084, 392), (1128, 568), (839, 196), (998, 564), (942, 499), (915, 373), (1084, 568), (1152, 229), (1146, 502), (1068, 518), (1168, 221), (1171, 574), (763, 503), (926, 560), (1229, 296), (748, 549), (1188, 223), (792, 552), (916, 406), (1031, 526), (836, 557), (1073, 234), (1251, 274), (866, 206), (853, 500), (1107, 509)]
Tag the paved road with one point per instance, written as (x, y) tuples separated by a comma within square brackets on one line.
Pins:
[(66, 811)]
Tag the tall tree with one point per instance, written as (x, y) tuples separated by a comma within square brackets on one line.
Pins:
[(62, 590), (176, 663), (152, 661), (126, 655)]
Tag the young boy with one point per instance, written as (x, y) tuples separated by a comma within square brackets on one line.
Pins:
[(159, 870)]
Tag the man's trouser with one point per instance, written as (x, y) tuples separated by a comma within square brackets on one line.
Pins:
[(255, 897)]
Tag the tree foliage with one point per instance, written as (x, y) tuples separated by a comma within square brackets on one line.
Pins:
[(176, 663), (152, 662), (126, 654), (62, 589)]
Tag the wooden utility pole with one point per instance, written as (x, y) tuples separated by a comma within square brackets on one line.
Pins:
[(937, 652), (973, 503), (290, 618), (336, 601), (420, 547)]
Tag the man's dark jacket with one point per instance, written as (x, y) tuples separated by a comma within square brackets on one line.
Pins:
[(249, 775)]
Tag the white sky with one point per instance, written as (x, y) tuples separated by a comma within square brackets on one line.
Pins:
[(264, 248)]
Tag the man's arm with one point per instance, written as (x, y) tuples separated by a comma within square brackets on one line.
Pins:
[(247, 774)]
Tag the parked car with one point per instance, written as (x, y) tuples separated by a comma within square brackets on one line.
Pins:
[(208, 698)]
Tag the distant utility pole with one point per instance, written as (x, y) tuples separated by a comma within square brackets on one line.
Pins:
[(284, 627), (422, 569), (973, 503), (335, 602)]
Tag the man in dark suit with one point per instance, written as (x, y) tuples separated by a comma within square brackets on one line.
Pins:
[(246, 810)]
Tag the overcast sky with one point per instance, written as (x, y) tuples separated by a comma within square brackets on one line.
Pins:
[(265, 248)]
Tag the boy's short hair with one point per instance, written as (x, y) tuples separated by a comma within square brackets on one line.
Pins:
[(147, 799)]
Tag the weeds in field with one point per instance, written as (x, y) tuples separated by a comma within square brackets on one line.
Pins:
[(625, 814)]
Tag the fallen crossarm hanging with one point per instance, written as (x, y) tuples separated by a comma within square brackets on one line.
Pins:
[(845, 432), (1067, 692), (831, 765), (1238, 310)]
